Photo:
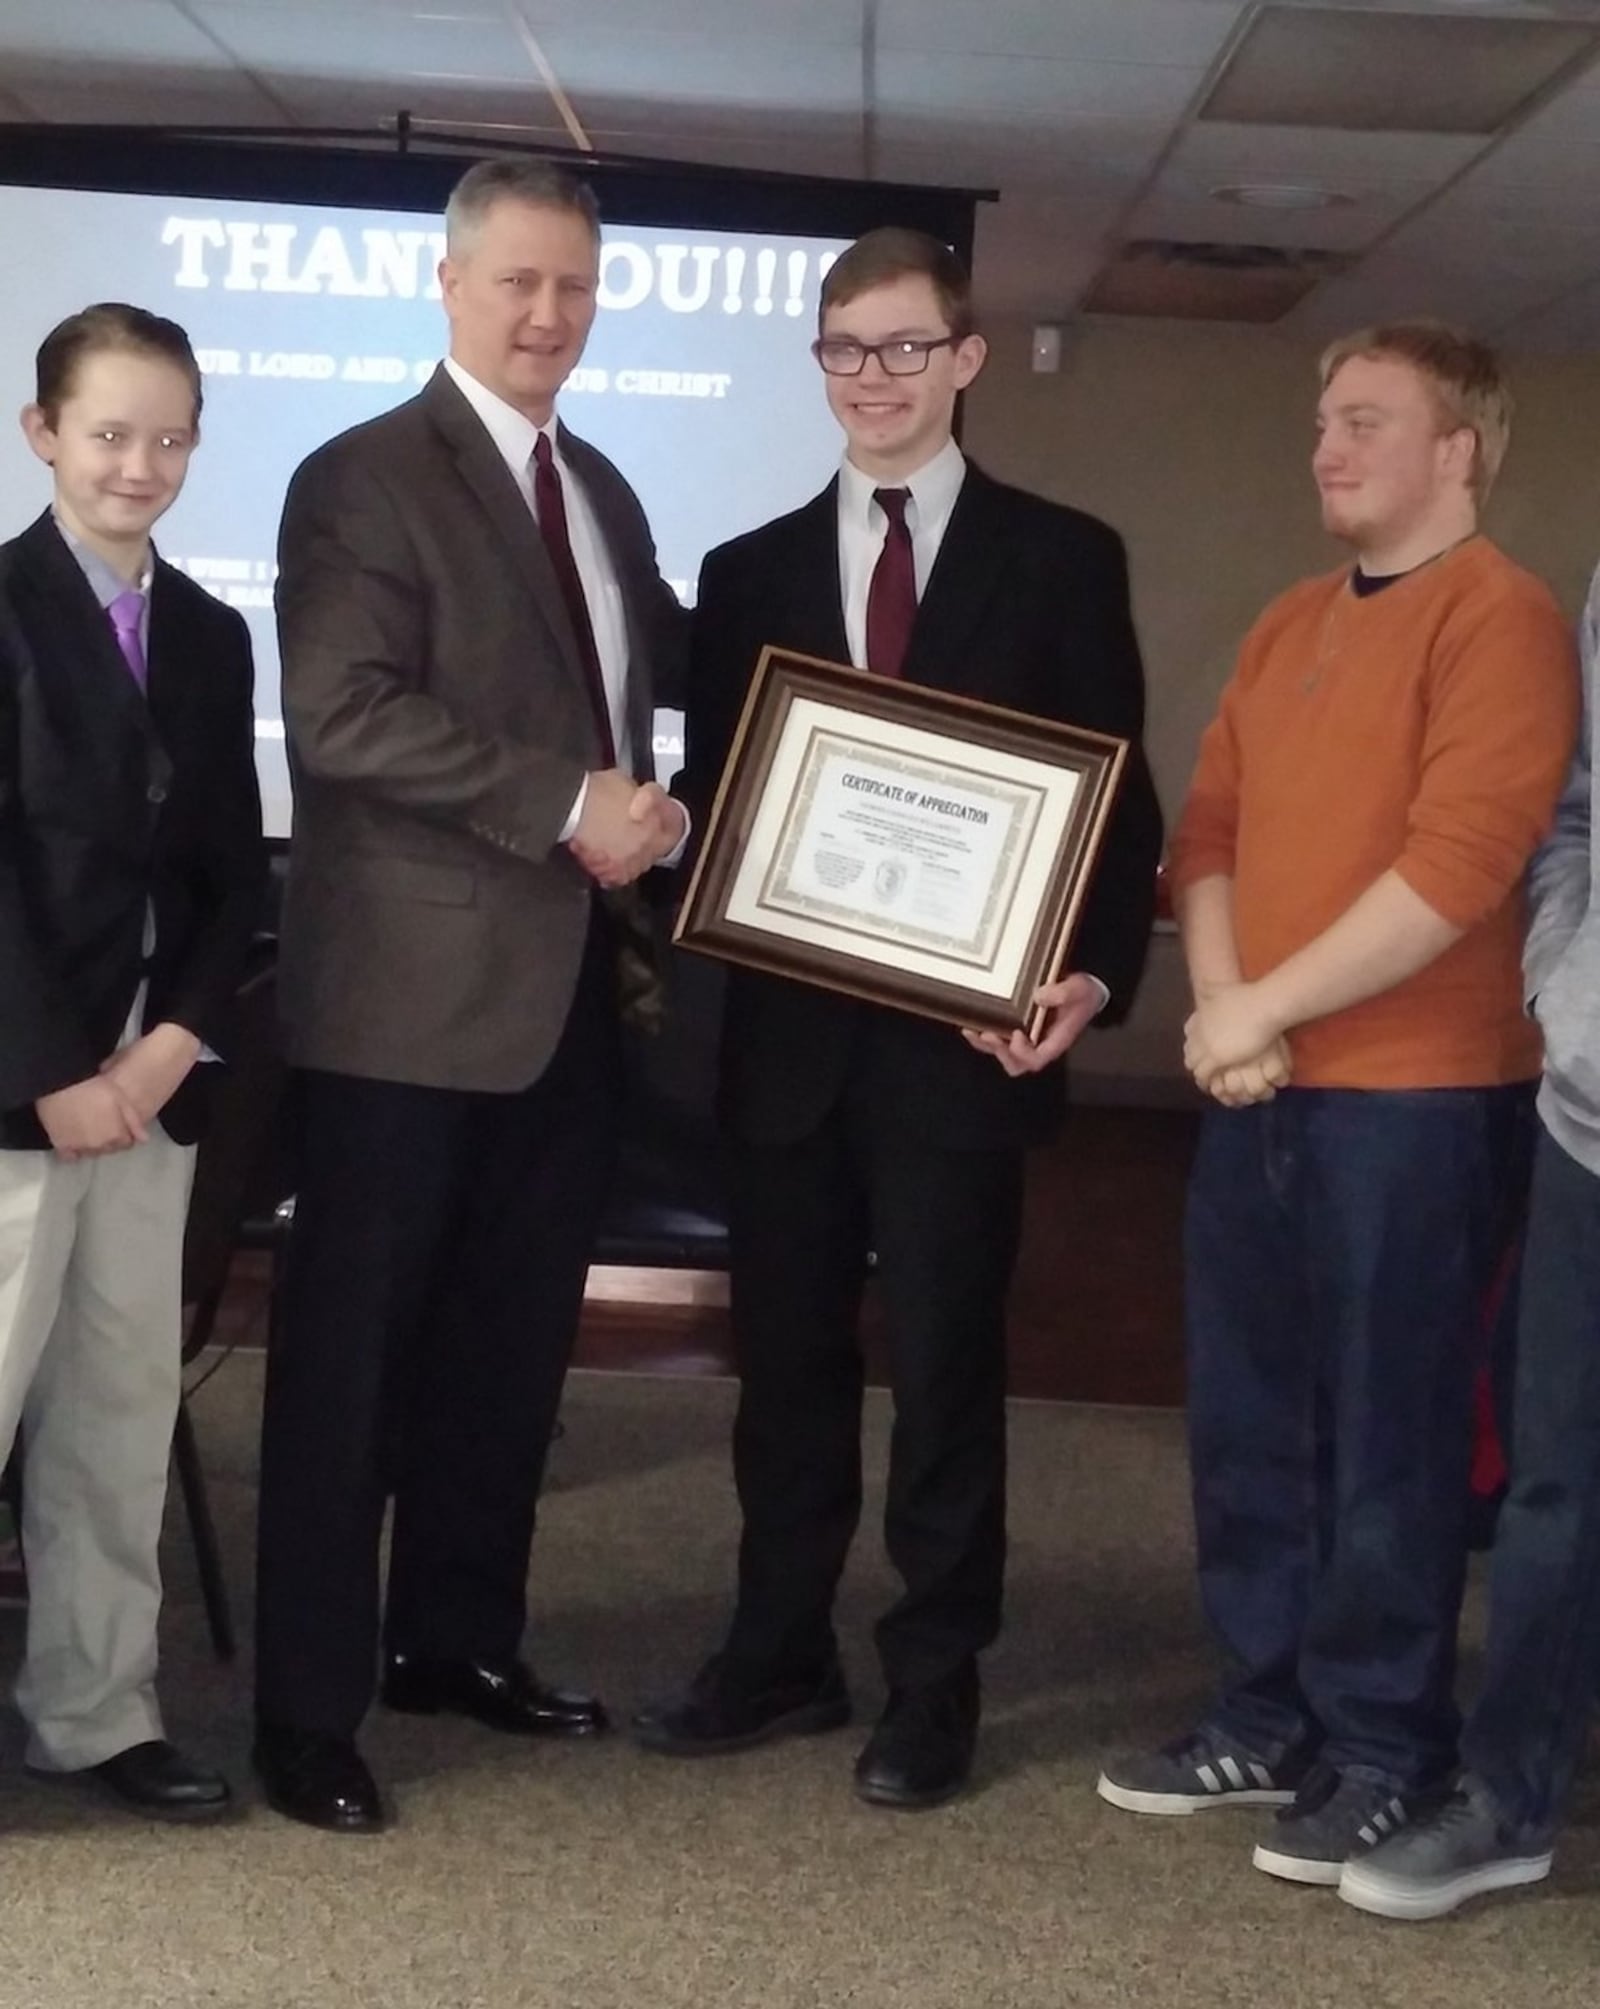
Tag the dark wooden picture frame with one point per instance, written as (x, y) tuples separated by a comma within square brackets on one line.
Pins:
[(971, 731)]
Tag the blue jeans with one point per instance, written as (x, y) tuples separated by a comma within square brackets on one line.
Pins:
[(1526, 1735), (1338, 1245)]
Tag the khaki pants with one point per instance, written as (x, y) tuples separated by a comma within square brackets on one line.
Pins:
[(90, 1288)]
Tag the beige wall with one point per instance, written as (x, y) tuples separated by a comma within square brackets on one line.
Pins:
[(1194, 442)]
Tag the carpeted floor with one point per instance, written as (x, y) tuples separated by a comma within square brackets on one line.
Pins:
[(598, 1878)]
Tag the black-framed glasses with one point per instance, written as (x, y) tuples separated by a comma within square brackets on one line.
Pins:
[(844, 356)]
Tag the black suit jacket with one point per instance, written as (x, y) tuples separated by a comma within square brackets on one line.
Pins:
[(110, 800), (1026, 606)]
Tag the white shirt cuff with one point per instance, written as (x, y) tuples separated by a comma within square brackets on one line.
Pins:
[(574, 812), (675, 855)]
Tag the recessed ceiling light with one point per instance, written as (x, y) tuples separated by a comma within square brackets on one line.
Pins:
[(1282, 195)]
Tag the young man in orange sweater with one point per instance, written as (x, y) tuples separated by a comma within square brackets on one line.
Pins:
[(1348, 876)]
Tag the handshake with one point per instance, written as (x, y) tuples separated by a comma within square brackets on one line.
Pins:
[(625, 827)]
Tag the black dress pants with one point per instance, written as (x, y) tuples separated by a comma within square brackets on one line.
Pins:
[(944, 1225), (431, 1297)]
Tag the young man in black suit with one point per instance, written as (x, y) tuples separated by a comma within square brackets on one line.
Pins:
[(855, 1128), (131, 873)]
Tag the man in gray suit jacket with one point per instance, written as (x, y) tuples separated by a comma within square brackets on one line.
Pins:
[(471, 619)]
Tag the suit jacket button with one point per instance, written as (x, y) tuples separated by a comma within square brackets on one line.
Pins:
[(155, 793)]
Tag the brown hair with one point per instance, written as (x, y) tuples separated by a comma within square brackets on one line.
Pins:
[(537, 182), (110, 325), (883, 256), (1462, 373)]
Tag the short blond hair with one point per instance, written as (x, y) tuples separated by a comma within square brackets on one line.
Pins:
[(1463, 374), (538, 183)]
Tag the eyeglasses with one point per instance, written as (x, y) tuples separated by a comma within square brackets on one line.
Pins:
[(844, 356)]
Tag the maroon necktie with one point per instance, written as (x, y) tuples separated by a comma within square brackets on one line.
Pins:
[(550, 506), (892, 595)]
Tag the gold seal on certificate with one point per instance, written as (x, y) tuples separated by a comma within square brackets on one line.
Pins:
[(899, 842)]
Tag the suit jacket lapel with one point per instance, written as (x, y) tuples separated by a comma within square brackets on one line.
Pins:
[(814, 606), (75, 642), (966, 574), (507, 511)]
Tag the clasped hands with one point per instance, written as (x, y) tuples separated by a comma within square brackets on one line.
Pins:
[(625, 827), (113, 1110), (1233, 1046)]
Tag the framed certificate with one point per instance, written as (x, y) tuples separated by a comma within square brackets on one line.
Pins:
[(900, 843)]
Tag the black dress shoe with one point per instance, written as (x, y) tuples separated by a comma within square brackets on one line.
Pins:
[(721, 1711), (156, 1779), (320, 1780), (920, 1753), (505, 1696)]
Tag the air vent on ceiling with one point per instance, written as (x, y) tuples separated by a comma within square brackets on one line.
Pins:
[(1209, 282), (1363, 71)]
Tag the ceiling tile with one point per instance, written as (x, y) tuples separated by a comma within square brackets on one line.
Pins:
[(1346, 228), (122, 95), (1185, 33), (1436, 70), (375, 100), (1208, 153), (1386, 174), (687, 70), (345, 42), (1022, 88), (433, 10), (801, 153), (149, 31), (753, 20), (1073, 156)]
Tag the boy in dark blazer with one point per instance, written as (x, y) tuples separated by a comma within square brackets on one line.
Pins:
[(131, 871), (852, 1127)]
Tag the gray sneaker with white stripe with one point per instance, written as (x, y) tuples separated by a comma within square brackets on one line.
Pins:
[(1335, 1819), (1195, 1772), (1458, 1851)]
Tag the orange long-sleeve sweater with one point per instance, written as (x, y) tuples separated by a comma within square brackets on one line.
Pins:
[(1425, 728)]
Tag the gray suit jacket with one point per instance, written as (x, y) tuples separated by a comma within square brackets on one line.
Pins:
[(439, 725)]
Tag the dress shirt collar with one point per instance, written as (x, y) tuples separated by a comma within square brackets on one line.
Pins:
[(934, 488), (513, 432), (105, 581)]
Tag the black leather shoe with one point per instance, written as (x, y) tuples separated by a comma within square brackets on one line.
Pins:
[(506, 1697), (156, 1779), (320, 1780), (720, 1712), (920, 1753)]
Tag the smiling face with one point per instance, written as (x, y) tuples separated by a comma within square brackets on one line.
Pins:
[(894, 425), (1392, 475), (118, 445), (520, 293)]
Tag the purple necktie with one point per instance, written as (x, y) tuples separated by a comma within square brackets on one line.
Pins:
[(892, 593), (127, 614)]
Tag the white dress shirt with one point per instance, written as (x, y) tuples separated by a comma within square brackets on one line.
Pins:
[(514, 435), (863, 526)]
